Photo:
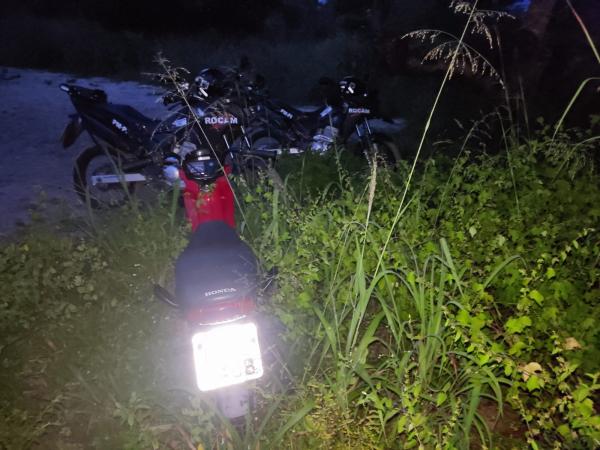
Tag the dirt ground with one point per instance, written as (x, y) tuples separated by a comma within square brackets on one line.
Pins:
[(33, 114)]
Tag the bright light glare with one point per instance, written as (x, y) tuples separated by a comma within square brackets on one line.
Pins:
[(226, 355)]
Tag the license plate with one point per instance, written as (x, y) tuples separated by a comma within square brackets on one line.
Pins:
[(226, 355), (117, 179)]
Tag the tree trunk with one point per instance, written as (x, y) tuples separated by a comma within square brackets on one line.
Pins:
[(534, 54)]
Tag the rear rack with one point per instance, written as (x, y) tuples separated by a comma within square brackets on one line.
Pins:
[(91, 95)]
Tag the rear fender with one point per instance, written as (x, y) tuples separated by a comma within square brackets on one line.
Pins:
[(227, 310), (72, 131)]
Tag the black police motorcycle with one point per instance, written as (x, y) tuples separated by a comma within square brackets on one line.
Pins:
[(344, 119), (131, 148)]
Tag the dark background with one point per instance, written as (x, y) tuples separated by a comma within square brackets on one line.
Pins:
[(543, 55)]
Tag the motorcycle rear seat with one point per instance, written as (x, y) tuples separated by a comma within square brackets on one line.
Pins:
[(298, 113), (216, 266), (130, 114)]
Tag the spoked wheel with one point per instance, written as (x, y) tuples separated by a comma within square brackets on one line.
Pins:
[(262, 142), (95, 165)]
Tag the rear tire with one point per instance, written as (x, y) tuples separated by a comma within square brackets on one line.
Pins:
[(98, 161)]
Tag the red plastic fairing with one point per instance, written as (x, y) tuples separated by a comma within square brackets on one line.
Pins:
[(220, 312), (204, 206)]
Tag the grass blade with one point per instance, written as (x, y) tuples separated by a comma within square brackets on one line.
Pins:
[(293, 420)]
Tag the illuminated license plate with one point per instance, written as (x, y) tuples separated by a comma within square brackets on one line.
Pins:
[(226, 355)]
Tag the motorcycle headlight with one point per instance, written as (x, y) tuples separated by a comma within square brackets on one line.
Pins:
[(171, 173), (201, 169)]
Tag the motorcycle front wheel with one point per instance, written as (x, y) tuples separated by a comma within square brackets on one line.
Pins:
[(255, 169), (96, 161), (382, 149)]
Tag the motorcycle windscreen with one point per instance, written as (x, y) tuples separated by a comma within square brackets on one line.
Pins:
[(226, 355)]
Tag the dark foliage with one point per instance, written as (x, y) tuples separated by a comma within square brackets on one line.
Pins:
[(156, 17)]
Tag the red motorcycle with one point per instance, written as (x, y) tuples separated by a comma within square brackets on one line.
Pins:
[(216, 284)]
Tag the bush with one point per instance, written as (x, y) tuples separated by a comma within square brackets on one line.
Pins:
[(71, 45), (486, 288), (75, 45)]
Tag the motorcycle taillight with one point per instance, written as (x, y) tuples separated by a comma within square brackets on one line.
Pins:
[(221, 312)]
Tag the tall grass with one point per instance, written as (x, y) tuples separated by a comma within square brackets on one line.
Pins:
[(585, 82), (410, 329), (355, 351)]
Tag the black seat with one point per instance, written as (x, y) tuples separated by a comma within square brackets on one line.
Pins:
[(85, 96), (130, 114), (216, 266), (297, 113)]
